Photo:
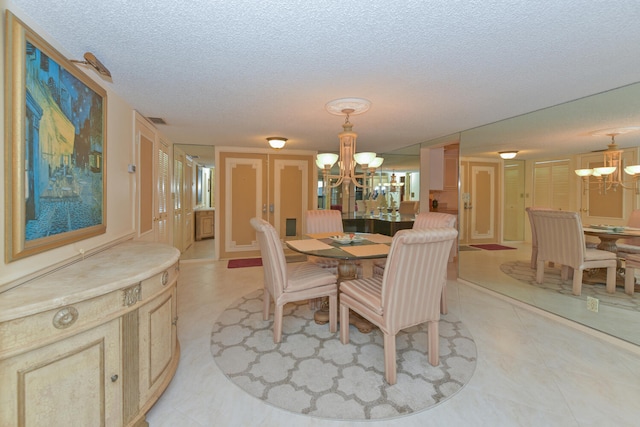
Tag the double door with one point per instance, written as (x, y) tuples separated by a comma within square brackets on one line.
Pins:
[(278, 188)]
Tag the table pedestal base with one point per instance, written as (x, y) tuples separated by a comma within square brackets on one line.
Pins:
[(347, 270), (321, 317)]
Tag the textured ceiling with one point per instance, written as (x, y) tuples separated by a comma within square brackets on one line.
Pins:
[(235, 72)]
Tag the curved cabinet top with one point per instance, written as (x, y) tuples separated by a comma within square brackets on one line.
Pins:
[(114, 268)]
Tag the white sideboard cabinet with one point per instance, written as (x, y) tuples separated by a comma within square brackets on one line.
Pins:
[(93, 343)]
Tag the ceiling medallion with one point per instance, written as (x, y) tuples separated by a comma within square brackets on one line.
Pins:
[(354, 105)]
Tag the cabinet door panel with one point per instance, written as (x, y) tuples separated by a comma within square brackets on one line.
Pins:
[(157, 340), (66, 383)]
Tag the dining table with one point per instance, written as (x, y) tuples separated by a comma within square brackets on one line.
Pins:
[(352, 250), (610, 234)]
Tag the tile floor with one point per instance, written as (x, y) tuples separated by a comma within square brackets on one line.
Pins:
[(531, 371)]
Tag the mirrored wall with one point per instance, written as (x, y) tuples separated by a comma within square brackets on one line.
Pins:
[(554, 141)]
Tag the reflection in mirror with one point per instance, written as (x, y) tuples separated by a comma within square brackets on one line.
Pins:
[(514, 213), (193, 201), (551, 144)]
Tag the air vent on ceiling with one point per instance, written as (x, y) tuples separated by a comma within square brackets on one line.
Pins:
[(157, 120)]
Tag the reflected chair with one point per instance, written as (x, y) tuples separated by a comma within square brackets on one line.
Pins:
[(324, 221), (406, 295), (534, 237), (408, 207), (425, 220), (561, 240), (290, 282)]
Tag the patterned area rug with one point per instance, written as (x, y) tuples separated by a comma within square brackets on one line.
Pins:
[(522, 271), (311, 372)]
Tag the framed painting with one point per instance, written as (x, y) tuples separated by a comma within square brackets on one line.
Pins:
[(55, 147)]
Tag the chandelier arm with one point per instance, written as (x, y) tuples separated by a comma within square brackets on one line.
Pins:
[(609, 185)]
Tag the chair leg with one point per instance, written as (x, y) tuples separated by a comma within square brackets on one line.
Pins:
[(611, 280), (577, 281), (333, 313), (433, 347), (629, 280), (344, 324), (540, 271), (443, 299), (266, 304), (277, 323), (390, 359)]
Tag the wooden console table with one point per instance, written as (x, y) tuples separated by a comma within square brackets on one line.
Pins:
[(93, 343)]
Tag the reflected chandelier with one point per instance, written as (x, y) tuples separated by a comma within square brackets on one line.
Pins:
[(348, 157), (609, 176)]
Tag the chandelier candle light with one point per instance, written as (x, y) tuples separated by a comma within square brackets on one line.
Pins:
[(348, 157), (609, 176)]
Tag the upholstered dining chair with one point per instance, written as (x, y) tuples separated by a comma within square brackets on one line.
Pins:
[(408, 207), (561, 240), (324, 221), (406, 295), (290, 282), (423, 221), (534, 237)]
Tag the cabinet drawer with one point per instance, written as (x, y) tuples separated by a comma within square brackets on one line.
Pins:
[(158, 283), (48, 326)]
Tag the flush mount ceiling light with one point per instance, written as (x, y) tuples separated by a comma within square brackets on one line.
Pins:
[(348, 157), (507, 155), (91, 60), (277, 142)]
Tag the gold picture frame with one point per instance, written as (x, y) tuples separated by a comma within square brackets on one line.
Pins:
[(55, 147)]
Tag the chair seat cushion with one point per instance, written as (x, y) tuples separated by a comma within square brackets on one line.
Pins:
[(598, 254), (367, 291), (306, 275)]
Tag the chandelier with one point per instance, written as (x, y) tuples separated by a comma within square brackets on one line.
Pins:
[(348, 157), (394, 185), (609, 176)]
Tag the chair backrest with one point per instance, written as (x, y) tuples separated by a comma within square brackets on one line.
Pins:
[(273, 261), (434, 220), (323, 221), (409, 207), (534, 238), (634, 219), (560, 237), (437, 220), (414, 275)]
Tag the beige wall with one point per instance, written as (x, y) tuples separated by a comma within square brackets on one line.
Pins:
[(120, 184)]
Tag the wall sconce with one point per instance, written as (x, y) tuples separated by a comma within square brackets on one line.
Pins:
[(277, 142), (508, 155)]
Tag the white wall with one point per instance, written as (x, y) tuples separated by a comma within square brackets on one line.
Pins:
[(119, 183)]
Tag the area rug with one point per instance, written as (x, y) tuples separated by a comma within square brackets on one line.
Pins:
[(463, 248), (310, 372), (492, 247), (522, 271), (257, 262)]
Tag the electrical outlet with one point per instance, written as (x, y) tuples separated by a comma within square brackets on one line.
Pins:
[(592, 304)]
